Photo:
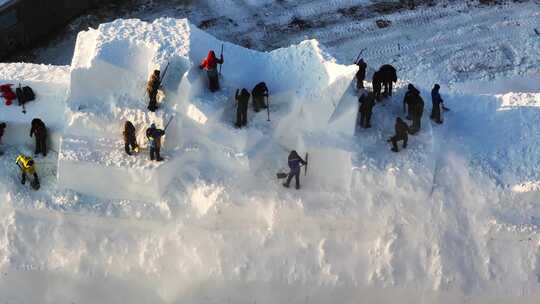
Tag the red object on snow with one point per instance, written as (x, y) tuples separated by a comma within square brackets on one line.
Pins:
[(210, 62), (8, 93)]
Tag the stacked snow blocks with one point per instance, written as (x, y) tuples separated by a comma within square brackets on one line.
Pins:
[(107, 88)]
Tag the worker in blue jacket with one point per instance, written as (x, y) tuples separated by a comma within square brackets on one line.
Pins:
[(295, 162)]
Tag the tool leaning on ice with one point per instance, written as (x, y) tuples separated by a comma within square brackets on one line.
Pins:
[(27, 166)]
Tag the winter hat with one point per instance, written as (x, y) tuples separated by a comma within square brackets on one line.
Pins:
[(153, 126)]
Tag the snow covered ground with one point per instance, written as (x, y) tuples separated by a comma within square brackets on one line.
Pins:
[(454, 218)]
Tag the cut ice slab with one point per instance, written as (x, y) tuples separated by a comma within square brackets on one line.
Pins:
[(101, 168)]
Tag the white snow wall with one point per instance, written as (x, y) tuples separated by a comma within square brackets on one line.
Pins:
[(110, 68)]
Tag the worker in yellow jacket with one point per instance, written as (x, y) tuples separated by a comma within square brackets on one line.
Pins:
[(27, 166)]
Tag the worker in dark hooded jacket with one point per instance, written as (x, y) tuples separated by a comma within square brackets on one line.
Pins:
[(360, 74), (437, 103), (409, 100), (367, 102), (377, 85), (258, 94), (39, 130), (417, 112), (295, 162), (401, 130), (152, 88), (130, 138), (154, 135), (389, 76), (242, 101), (210, 65)]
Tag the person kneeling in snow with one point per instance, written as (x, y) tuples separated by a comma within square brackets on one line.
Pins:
[(259, 92), (210, 65), (154, 141), (402, 130), (242, 100), (295, 162), (130, 140), (152, 89), (27, 166)]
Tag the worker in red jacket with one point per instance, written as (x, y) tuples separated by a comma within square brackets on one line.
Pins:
[(210, 65)]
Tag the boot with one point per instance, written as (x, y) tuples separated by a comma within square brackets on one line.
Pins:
[(285, 185)]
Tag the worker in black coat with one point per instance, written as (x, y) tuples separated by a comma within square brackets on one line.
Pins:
[(401, 130), (377, 81), (389, 76), (39, 131), (242, 101), (437, 103), (360, 74), (258, 94), (417, 112), (152, 88), (154, 135), (367, 102), (409, 100), (130, 138)]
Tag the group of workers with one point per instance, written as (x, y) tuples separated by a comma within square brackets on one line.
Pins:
[(26, 163), (413, 104), (384, 77)]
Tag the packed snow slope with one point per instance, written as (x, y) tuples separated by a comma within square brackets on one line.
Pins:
[(451, 219)]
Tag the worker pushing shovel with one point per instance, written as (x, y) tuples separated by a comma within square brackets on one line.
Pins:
[(295, 163)]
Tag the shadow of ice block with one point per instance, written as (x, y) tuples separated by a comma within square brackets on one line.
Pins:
[(100, 167)]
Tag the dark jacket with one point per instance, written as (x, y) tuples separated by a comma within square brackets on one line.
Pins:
[(418, 106), (260, 90), (411, 96), (154, 136), (38, 128), (401, 128), (367, 102), (361, 74), (389, 72), (153, 84), (377, 80), (242, 98), (2, 128), (436, 97), (295, 161), (129, 132)]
